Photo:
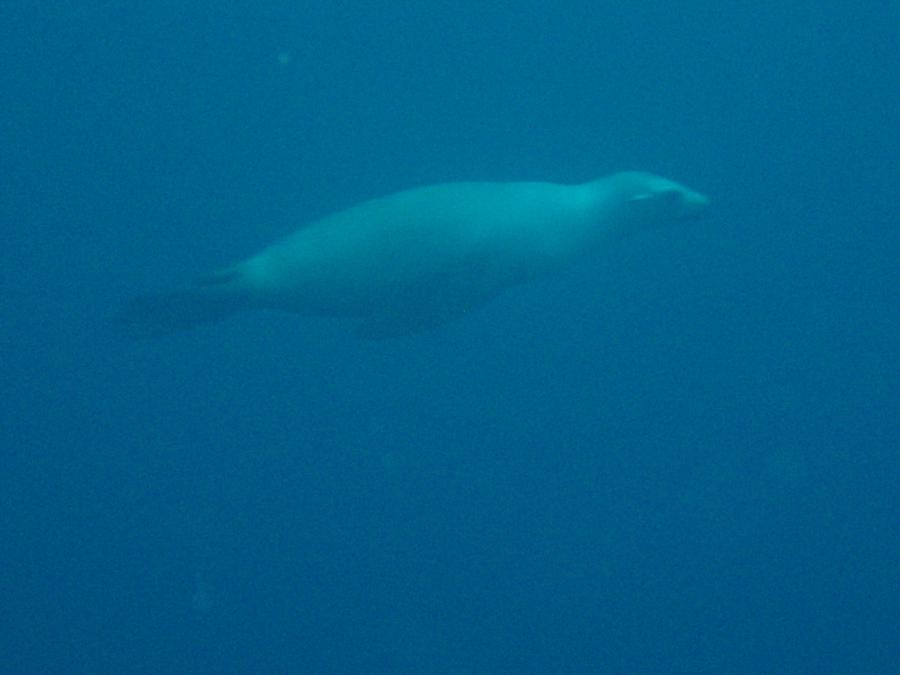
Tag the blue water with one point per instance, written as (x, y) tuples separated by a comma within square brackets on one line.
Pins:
[(682, 458)]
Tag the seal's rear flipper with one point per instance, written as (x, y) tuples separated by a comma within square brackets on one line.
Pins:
[(212, 299)]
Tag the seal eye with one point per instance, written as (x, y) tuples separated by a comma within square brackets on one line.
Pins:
[(667, 196), (642, 197), (670, 196)]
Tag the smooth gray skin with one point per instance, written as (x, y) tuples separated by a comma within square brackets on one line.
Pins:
[(415, 259)]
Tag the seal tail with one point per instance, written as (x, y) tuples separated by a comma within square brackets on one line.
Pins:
[(211, 299)]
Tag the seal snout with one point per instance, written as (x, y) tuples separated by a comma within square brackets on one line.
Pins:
[(693, 203)]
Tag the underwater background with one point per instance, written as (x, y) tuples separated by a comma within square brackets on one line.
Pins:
[(681, 458)]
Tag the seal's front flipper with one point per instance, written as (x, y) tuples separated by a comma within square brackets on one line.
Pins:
[(394, 326), (417, 314)]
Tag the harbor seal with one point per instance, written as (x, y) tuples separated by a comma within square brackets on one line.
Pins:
[(413, 260)]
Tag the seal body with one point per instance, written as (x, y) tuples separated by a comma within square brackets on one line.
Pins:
[(417, 258)]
